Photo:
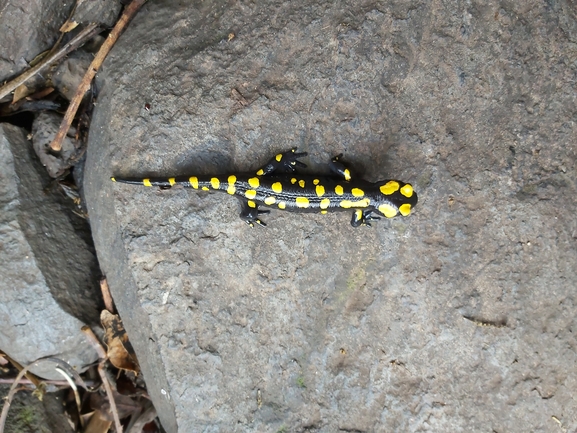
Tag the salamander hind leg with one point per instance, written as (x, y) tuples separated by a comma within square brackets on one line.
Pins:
[(285, 162), (363, 217), (339, 168), (250, 213)]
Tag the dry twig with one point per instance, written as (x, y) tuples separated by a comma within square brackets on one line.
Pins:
[(106, 295), (29, 375), (75, 390), (28, 382), (102, 355), (119, 27), (65, 366), (78, 40)]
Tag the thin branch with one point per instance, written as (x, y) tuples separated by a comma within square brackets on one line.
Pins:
[(70, 371), (26, 382), (110, 397), (103, 357), (119, 27), (75, 390), (93, 340), (10, 396), (13, 388), (29, 375), (85, 35), (106, 295)]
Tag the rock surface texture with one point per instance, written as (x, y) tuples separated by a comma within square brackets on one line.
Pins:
[(460, 317), (28, 29), (48, 283)]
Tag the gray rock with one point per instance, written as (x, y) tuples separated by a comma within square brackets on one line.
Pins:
[(44, 128), (70, 71), (27, 29), (48, 286), (104, 12), (458, 318)]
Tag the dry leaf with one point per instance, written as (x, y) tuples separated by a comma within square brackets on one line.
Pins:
[(21, 92), (42, 93), (120, 352), (98, 423)]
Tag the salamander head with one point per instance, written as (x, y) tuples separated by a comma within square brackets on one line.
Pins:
[(396, 198)]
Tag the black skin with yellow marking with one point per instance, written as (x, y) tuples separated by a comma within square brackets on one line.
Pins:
[(276, 185)]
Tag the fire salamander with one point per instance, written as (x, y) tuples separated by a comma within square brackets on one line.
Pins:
[(276, 185)]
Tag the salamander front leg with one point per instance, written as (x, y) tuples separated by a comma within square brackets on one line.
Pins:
[(363, 217), (250, 214), (286, 162), (339, 168)]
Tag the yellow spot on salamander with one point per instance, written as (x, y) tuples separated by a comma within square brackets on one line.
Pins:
[(214, 182), (231, 181), (278, 157), (276, 187), (250, 193), (171, 181), (205, 188), (293, 180), (339, 190), (113, 179), (193, 182), (316, 182), (323, 212), (387, 210), (347, 204), (358, 214), (347, 174), (302, 183), (269, 200), (357, 192), (302, 202), (253, 182), (407, 190), (362, 203), (390, 187), (146, 182), (260, 172), (251, 203), (320, 190), (281, 205), (405, 209), (325, 203)]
